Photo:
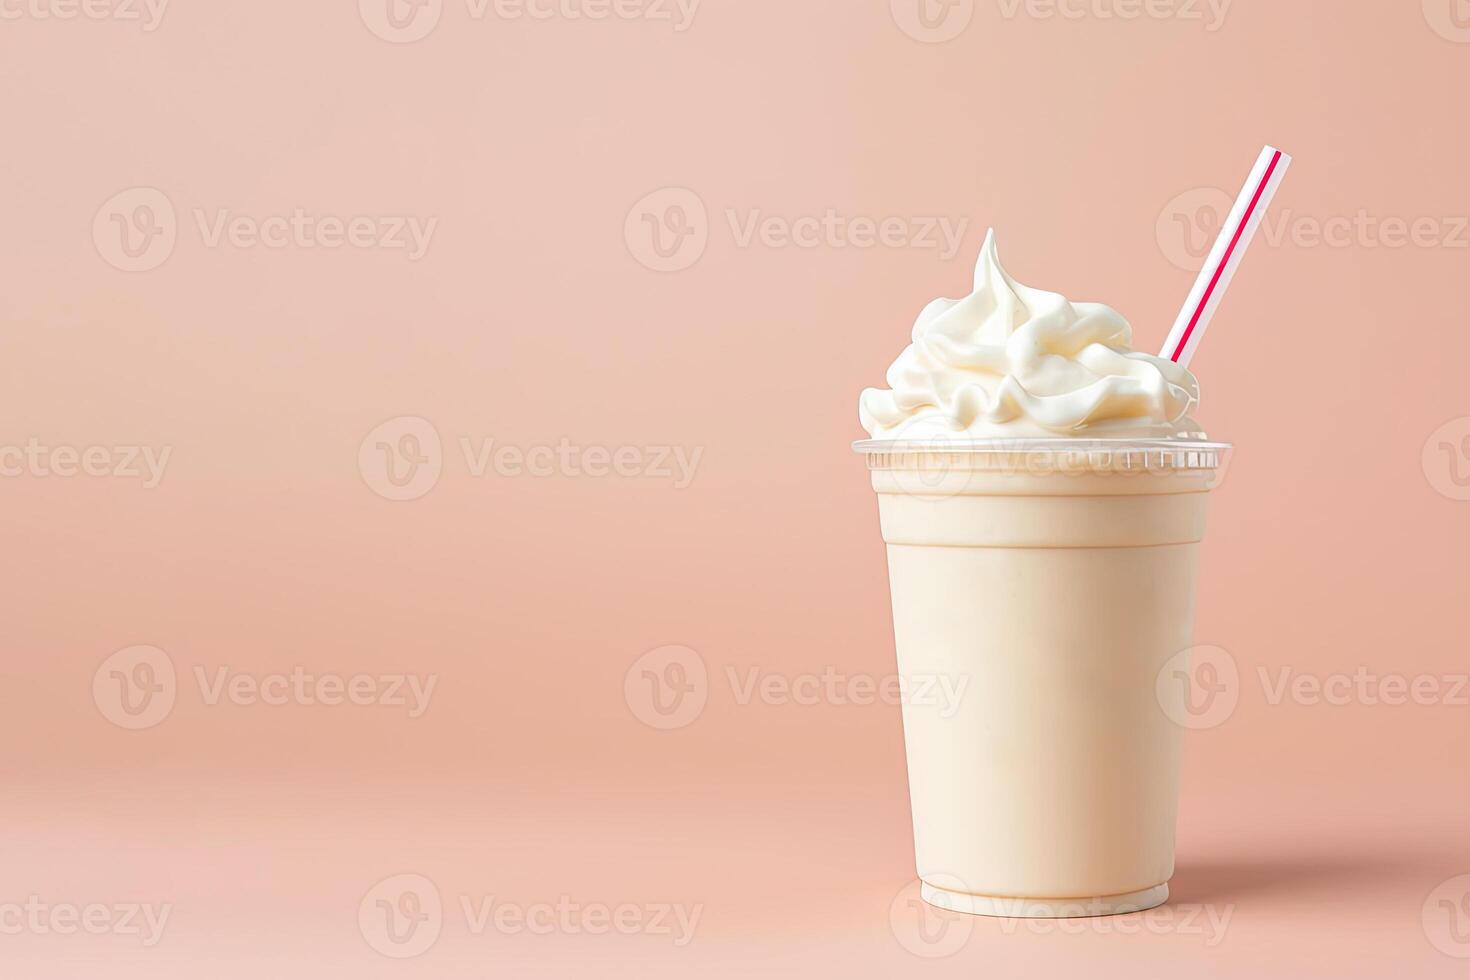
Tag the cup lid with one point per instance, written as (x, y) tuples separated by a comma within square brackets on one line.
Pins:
[(1110, 454)]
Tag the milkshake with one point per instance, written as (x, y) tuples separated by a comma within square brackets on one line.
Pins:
[(1042, 492)]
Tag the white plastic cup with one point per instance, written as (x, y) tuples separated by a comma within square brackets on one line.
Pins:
[(1050, 580)]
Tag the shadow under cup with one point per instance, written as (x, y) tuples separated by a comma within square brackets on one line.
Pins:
[(1040, 590)]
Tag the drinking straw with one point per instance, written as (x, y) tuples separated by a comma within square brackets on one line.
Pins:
[(1224, 258)]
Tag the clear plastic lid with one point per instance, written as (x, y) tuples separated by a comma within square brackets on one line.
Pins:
[(1048, 453)]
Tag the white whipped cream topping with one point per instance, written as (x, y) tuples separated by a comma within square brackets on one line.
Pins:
[(1009, 360)]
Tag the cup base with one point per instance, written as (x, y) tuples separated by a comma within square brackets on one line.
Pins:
[(1043, 908)]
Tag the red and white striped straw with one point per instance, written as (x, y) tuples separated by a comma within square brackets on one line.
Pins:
[(1235, 235)]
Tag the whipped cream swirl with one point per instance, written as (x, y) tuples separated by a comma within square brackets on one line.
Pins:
[(1009, 360)]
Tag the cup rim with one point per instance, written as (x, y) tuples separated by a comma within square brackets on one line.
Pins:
[(1035, 444)]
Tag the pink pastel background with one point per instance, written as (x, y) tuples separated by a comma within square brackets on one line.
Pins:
[(1090, 143)]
